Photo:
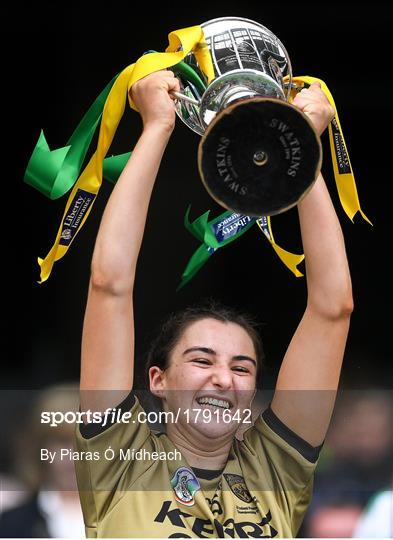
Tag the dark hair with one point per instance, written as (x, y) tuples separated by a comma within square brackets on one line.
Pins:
[(172, 329)]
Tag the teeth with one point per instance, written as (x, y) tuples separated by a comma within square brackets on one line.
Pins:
[(213, 401)]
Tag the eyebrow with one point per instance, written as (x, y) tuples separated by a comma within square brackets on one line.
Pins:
[(207, 350)]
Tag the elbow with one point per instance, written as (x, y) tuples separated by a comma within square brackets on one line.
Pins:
[(111, 283), (333, 309), (345, 308)]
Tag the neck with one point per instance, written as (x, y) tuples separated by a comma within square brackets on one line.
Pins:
[(198, 450)]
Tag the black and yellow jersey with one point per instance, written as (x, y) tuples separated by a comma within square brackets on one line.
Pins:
[(262, 492)]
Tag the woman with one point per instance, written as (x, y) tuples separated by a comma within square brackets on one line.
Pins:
[(215, 485)]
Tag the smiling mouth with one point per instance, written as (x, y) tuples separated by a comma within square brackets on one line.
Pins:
[(214, 402)]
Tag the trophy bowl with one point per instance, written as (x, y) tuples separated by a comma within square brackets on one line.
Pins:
[(259, 155)]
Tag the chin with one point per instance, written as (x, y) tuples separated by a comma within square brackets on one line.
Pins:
[(215, 429)]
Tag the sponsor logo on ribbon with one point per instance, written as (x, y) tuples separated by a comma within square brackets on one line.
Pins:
[(74, 217), (230, 226), (343, 164)]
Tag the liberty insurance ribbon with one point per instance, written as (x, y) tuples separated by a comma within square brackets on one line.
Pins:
[(345, 183), (54, 173), (84, 192), (224, 229), (343, 174)]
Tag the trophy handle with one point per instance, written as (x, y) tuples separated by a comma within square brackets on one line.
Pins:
[(188, 99)]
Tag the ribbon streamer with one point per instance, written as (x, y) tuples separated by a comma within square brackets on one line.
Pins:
[(224, 229), (345, 183), (85, 190), (55, 172), (343, 174), (291, 260)]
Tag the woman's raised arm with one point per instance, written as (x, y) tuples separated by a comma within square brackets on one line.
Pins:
[(108, 334), (310, 372)]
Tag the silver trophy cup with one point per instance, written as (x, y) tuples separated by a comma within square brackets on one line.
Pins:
[(258, 154)]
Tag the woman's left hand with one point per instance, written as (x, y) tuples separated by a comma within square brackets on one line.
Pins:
[(313, 102)]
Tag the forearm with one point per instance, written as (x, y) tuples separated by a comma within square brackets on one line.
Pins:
[(310, 372), (328, 277), (121, 230), (108, 329)]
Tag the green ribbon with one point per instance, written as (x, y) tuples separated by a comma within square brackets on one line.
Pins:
[(214, 234), (114, 165), (54, 172), (188, 74)]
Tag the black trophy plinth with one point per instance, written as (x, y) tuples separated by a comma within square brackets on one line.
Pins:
[(259, 156)]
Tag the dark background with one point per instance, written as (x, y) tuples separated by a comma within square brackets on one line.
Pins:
[(57, 58)]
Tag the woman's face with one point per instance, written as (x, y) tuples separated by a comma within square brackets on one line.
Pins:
[(211, 377)]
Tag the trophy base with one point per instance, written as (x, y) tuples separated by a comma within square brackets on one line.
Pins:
[(259, 156)]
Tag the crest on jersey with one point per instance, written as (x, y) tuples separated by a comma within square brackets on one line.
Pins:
[(238, 487), (185, 484)]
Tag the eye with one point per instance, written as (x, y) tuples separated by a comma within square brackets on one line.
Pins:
[(241, 369), (203, 361)]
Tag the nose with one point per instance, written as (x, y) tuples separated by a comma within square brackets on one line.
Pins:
[(222, 377)]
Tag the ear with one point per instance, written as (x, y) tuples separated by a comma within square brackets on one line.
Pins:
[(157, 381)]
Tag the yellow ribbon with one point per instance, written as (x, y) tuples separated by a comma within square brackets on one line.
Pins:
[(181, 42), (343, 174), (82, 196), (345, 180), (291, 260)]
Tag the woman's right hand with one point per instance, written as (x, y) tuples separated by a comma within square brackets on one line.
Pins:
[(152, 97)]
